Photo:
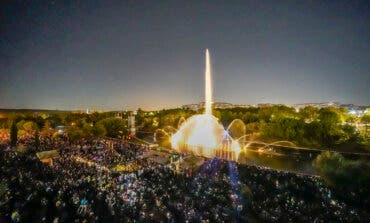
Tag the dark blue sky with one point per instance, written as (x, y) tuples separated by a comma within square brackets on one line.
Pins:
[(150, 54)]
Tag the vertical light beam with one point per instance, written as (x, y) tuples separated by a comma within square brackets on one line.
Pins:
[(202, 134), (208, 87)]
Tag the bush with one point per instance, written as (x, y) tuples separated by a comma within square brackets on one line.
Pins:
[(343, 173)]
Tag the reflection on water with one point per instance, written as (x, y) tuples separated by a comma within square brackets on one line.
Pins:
[(288, 159), (280, 159)]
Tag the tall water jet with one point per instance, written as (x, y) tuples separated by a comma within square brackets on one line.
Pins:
[(208, 86), (202, 134)]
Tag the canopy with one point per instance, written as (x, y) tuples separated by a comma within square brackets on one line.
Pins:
[(47, 154)]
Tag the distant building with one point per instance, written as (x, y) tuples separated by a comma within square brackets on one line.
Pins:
[(223, 105), (356, 110), (193, 107), (265, 105), (216, 105), (317, 105), (243, 106), (353, 109), (118, 115)]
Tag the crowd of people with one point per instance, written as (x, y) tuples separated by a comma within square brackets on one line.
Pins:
[(82, 186)]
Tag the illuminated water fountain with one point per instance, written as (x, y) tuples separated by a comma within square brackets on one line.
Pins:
[(203, 134)]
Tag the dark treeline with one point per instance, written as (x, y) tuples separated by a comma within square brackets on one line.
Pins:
[(345, 175), (312, 127), (327, 128)]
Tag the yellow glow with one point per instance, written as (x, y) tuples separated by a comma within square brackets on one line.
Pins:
[(203, 134)]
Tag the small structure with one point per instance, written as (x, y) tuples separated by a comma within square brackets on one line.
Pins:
[(47, 156), (157, 156), (118, 115), (131, 123)]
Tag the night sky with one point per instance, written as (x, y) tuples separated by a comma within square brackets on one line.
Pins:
[(150, 54)]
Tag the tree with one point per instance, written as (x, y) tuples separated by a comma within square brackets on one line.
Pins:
[(329, 165), (252, 127), (94, 117), (74, 133), (114, 127), (330, 129), (309, 113), (366, 118), (13, 134), (54, 120), (30, 126), (343, 173), (36, 143), (20, 124), (99, 130), (329, 115), (87, 129), (46, 130)]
